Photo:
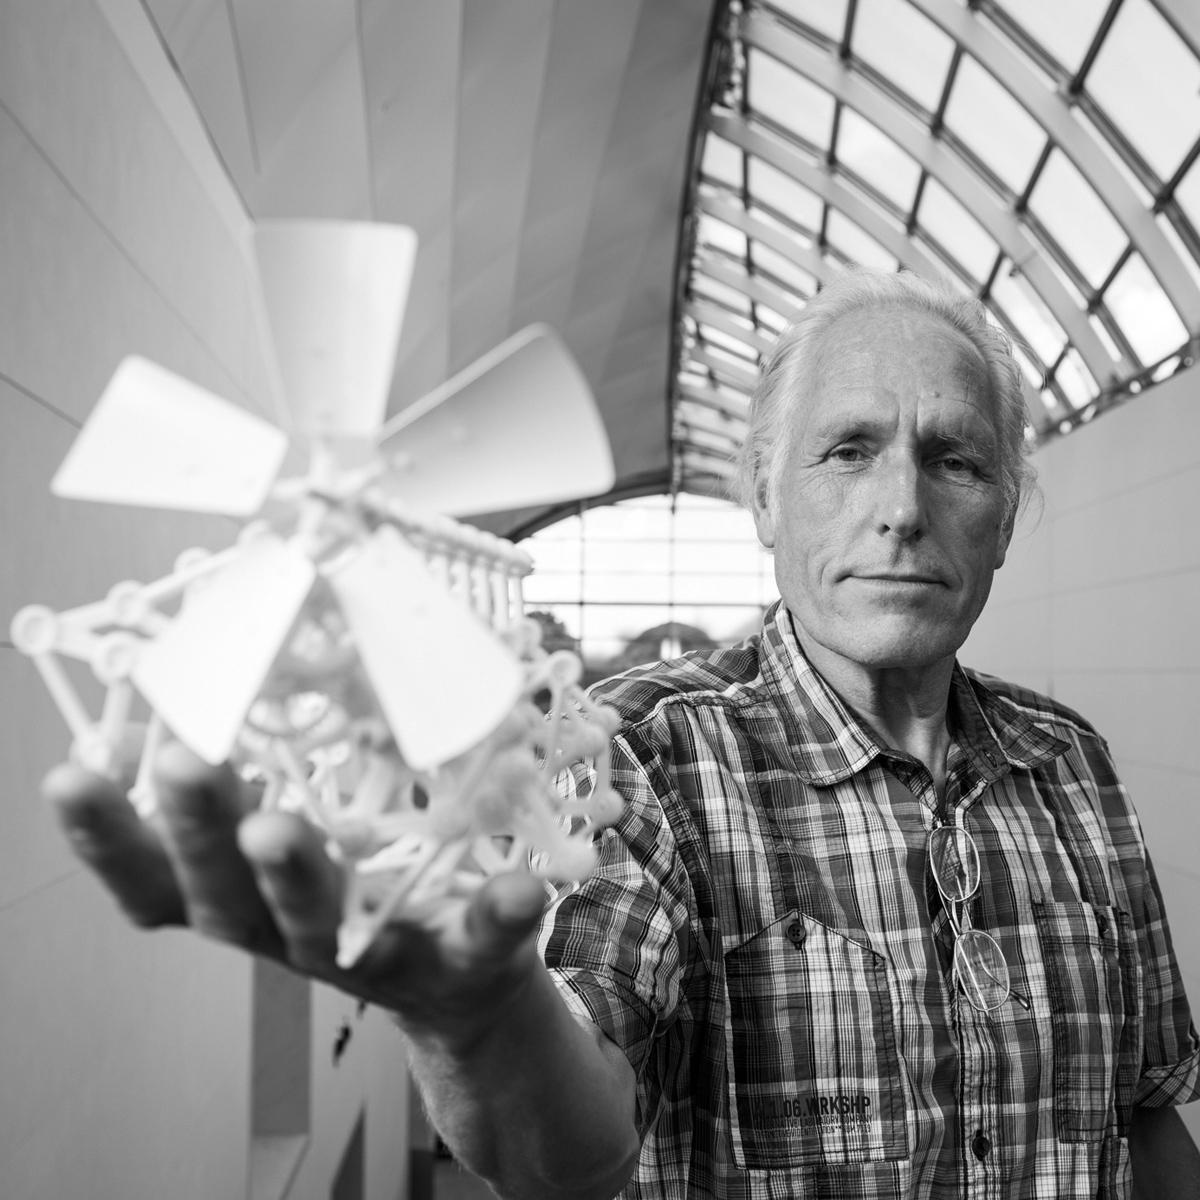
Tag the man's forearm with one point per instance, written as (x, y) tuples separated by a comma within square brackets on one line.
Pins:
[(1166, 1163), (538, 1105)]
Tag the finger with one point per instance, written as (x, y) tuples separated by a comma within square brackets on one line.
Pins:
[(200, 808), (107, 834), (301, 884), (506, 910)]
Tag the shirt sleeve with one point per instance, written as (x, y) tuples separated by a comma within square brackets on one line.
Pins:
[(612, 943), (1171, 1055)]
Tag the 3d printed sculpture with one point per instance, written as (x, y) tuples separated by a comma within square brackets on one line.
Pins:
[(364, 660)]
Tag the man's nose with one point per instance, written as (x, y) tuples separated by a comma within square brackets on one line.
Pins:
[(901, 505)]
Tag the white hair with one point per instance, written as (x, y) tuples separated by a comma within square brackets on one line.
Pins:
[(792, 370)]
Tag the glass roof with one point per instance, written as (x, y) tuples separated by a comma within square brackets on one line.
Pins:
[(1041, 156)]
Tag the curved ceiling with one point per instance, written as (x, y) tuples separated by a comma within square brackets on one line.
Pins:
[(666, 182), (539, 149), (1041, 156)]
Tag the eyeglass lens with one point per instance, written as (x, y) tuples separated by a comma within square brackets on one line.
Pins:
[(955, 862), (980, 968)]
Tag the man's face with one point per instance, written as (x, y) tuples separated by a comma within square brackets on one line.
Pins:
[(891, 519)]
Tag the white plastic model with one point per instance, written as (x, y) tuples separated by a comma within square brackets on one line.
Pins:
[(361, 657)]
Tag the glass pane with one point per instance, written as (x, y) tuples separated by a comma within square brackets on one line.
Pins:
[(1146, 316), (1075, 380), (632, 518), (721, 293), (699, 418), (772, 189), (692, 440), (1029, 369), (785, 272), (716, 587), (880, 26), (1077, 219), (779, 93), (989, 121), (856, 244), (712, 232), (556, 554), (950, 224), (825, 16), (740, 561), (876, 159), (1149, 82), (736, 358), (719, 337), (1029, 315), (1111, 152), (768, 318), (722, 161), (698, 518), (1064, 27)]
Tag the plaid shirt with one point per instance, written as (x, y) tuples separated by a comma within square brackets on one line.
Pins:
[(763, 939)]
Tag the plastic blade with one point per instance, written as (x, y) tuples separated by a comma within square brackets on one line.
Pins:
[(334, 294), (206, 669), (443, 679), (158, 440), (518, 427)]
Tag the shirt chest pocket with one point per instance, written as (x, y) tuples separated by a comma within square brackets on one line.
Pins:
[(1082, 951), (814, 1067)]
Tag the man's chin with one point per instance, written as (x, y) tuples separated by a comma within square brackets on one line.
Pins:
[(898, 645)]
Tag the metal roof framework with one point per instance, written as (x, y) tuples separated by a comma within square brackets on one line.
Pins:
[(1040, 157)]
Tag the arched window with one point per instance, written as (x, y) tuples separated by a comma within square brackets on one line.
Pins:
[(647, 578)]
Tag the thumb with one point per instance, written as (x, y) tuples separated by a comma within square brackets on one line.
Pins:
[(506, 909)]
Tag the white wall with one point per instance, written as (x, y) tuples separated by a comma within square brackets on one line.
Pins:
[(125, 1057), (1099, 606)]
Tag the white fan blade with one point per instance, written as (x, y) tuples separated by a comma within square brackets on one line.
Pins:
[(206, 669), (518, 427), (156, 439), (442, 678), (334, 294)]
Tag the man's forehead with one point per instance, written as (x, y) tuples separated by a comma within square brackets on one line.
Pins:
[(870, 359)]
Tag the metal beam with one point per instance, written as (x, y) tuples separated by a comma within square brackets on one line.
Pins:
[(703, 462), (739, 378), (707, 312), (947, 167), (736, 408), (735, 214), (710, 420), (828, 187), (1054, 115), (759, 290)]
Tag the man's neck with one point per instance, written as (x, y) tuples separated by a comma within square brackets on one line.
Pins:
[(906, 707)]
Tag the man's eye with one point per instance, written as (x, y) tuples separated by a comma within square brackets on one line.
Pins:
[(954, 465), (847, 454)]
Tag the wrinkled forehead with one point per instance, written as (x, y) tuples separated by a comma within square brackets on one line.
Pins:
[(900, 356)]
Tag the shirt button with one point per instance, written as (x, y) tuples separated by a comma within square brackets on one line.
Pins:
[(796, 934), (981, 1145)]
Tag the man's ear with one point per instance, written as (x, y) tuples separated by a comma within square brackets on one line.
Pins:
[(1006, 533), (764, 510)]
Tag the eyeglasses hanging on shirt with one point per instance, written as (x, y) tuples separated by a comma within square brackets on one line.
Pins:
[(979, 966)]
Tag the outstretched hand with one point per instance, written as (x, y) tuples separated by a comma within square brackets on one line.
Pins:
[(264, 882)]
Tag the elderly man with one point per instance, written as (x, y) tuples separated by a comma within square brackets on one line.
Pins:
[(870, 926)]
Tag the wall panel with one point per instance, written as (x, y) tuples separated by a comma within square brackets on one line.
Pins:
[(125, 1056), (1117, 555)]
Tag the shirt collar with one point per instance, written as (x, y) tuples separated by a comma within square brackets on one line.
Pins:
[(828, 743)]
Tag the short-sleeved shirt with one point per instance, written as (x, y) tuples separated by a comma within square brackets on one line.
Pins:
[(763, 940)]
